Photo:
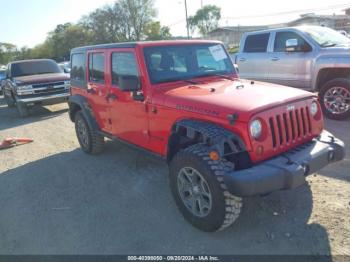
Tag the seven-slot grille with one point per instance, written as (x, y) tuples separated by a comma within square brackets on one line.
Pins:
[(287, 128)]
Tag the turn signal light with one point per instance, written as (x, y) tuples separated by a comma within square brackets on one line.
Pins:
[(214, 156), (259, 150)]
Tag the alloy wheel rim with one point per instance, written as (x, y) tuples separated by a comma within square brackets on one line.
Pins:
[(83, 133), (194, 191), (337, 100)]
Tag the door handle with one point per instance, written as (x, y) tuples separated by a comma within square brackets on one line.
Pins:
[(242, 59), (90, 89), (112, 97), (275, 58)]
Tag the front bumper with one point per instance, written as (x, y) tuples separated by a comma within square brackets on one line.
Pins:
[(47, 99), (287, 171)]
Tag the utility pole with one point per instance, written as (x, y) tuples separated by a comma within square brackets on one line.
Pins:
[(187, 25)]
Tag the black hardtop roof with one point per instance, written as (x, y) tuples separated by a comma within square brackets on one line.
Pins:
[(104, 46), (141, 43)]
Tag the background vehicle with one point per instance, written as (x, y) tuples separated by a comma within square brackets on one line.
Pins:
[(65, 66), (310, 57), (223, 139), (32, 82), (2, 77)]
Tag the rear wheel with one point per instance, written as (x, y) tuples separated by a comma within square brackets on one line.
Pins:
[(199, 191), (90, 141), (335, 98)]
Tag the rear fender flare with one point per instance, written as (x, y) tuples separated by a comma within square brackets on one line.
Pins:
[(80, 103)]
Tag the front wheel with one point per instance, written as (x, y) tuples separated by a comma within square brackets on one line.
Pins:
[(199, 190), (9, 100), (22, 109), (90, 141), (335, 98)]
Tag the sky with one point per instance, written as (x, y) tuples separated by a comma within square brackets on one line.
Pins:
[(27, 22)]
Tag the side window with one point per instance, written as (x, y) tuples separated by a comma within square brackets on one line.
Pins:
[(282, 37), (123, 64), (97, 68), (256, 43), (78, 68)]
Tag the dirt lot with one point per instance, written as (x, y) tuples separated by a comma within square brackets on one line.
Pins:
[(57, 200)]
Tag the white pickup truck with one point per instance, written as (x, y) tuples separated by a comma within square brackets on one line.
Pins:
[(308, 57)]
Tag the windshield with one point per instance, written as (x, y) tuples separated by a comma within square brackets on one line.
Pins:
[(326, 37), (34, 68), (184, 62)]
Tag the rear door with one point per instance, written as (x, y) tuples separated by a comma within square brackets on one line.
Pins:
[(97, 88), (252, 61), (290, 68)]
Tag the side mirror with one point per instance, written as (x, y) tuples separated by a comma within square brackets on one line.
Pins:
[(291, 45), (129, 83)]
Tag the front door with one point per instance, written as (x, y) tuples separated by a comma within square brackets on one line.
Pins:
[(128, 117), (290, 68)]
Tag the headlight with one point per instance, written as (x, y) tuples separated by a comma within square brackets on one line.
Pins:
[(314, 109), (256, 129)]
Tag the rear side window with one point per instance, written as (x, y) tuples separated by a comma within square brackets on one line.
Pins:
[(256, 43), (123, 64), (78, 69), (97, 68)]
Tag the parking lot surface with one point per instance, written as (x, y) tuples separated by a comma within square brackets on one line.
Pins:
[(57, 200)]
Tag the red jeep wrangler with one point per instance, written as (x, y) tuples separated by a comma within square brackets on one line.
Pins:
[(223, 138)]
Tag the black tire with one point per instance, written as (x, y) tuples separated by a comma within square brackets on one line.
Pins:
[(90, 141), (225, 208), (326, 89), (22, 110), (9, 100)]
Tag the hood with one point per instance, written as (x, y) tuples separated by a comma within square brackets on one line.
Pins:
[(226, 97), (336, 50), (39, 79)]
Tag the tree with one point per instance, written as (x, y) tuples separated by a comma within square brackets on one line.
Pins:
[(206, 19), (63, 39), (107, 25), (125, 20), (154, 31), (138, 14), (7, 52)]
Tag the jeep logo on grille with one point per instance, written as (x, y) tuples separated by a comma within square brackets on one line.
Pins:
[(290, 108)]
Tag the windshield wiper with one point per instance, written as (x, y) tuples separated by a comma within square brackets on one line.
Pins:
[(43, 73), (177, 79), (219, 75), (328, 44)]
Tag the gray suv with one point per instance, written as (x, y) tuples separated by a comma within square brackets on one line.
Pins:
[(308, 57)]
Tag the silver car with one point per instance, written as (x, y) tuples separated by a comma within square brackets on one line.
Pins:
[(309, 57)]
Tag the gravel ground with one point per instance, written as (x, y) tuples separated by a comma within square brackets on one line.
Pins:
[(57, 200)]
